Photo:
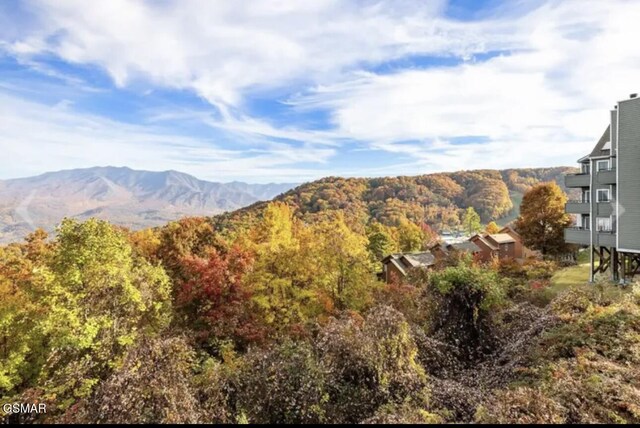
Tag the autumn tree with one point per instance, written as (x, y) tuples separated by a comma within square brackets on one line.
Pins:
[(178, 239), (410, 237), (22, 342), (471, 221), (381, 242), (430, 237), (212, 299), (543, 219), (152, 385), (279, 281), (146, 242), (100, 299), (368, 363), (344, 269), (492, 228)]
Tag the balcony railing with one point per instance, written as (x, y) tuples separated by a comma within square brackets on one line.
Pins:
[(577, 180), (577, 235), (577, 207), (606, 176)]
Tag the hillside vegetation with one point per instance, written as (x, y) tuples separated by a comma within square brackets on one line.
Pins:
[(285, 322), (437, 200)]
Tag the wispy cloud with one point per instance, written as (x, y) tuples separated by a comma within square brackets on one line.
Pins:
[(528, 84), (70, 139)]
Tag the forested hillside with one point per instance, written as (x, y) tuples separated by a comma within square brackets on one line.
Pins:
[(437, 200), (285, 322)]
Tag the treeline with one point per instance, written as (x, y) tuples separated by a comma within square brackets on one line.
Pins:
[(436, 200), (285, 322)]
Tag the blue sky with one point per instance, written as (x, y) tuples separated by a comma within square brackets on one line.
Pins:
[(289, 91)]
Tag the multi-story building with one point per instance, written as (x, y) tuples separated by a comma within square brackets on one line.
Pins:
[(608, 210)]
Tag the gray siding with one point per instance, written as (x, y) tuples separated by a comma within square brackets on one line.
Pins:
[(629, 174), (614, 131)]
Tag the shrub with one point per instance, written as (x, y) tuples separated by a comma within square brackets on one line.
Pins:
[(152, 386), (283, 384), (370, 363), (461, 299), (585, 370)]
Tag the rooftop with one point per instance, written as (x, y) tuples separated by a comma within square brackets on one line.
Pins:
[(603, 148), (502, 238)]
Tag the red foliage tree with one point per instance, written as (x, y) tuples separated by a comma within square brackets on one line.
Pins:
[(213, 299)]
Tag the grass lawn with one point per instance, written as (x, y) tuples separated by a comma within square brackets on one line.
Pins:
[(578, 276), (567, 277)]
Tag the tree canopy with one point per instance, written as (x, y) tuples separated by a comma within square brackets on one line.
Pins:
[(543, 219)]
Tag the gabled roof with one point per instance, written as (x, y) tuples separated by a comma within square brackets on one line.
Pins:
[(391, 257), (511, 231), (399, 266), (501, 238), (419, 259), (438, 246), (404, 261), (484, 241), (601, 148), (467, 246)]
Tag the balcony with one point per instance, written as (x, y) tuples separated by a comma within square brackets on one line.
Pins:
[(577, 207), (577, 235), (577, 180), (606, 239), (604, 208), (606, 176)]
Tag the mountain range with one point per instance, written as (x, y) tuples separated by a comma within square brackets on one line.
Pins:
[(140, 199), (127, 197)]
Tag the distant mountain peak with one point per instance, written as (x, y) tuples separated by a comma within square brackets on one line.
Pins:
[(122, 195)]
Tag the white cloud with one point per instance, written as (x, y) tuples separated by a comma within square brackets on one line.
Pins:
[(220, 49), (543, 101), (69, 139)]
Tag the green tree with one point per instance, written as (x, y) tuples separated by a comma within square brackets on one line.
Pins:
[(471, 221), (381, 242), (543, 219), (22, 285), (461, 300), (99, 301)]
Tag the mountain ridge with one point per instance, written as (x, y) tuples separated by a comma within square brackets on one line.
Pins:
[(436, 199), (127, 197)]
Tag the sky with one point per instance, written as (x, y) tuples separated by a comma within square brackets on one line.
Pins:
[(290, 91)]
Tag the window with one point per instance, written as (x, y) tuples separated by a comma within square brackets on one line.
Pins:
[(603, 224), (586, 196), (603, 195), (586, 222), (603, 165), (586, 168)]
